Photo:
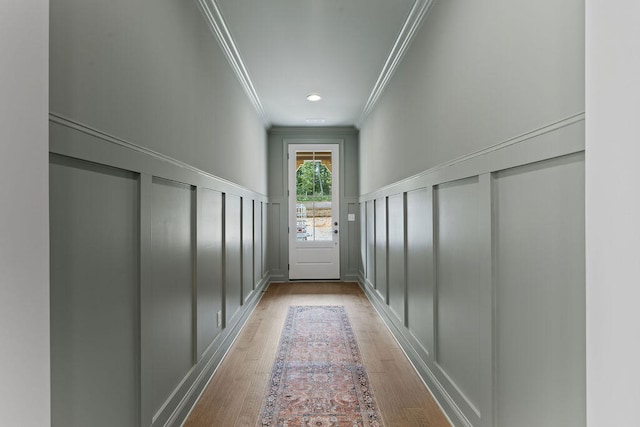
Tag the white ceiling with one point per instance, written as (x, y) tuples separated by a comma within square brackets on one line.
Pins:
[(345, 50)]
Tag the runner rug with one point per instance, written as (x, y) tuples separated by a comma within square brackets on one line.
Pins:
[(318, 378)]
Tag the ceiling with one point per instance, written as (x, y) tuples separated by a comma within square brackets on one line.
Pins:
[(343, 50)]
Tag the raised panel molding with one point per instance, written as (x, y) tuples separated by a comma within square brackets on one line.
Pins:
[(381, 249), (171, 306), (396, 244), (466, 259), (257, 243), (77, 140), (362, 261), (232, 255), (540, 294), (195, 197), (94, 294), (420, 268), (370, 244), (553, 140), (248, 263), (209, 266), (276, 251), (457, 243)]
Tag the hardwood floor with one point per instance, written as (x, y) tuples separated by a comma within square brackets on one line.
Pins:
[(234, 395)]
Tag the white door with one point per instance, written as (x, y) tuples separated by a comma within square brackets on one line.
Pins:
[(314, 243)]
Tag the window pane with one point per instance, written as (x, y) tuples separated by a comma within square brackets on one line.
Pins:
[(313, 195)]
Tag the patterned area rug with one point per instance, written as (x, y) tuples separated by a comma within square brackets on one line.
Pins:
[(318, 378)]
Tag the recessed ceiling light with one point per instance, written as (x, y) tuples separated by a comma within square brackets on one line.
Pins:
[(315, 121), (313, 97)]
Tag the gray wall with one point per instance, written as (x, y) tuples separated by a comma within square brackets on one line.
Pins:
[(24, 229), (279, 139), (144, 256), (472, 183), (157, 162), (613, 209), (151, 73), (477, 74)]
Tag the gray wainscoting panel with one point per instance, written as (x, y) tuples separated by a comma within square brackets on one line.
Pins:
[(540, 294), (233, 255), (257, 243), (265, 238), (275, 246), (209, 279), (420, 271), (371, 243), (381, 247), (171, 313), (458, 292), (362, 262), (137, 279), (397, 291), (247, 248), (94, 295), (353, 227)]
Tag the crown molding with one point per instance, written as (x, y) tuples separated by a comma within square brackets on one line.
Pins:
[(411, 25), (213, 15)]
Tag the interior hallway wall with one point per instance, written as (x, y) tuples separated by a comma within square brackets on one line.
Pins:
[(24, 222), (279, 139), (151, 73), (158, 204), (476, 75), (472, 194)]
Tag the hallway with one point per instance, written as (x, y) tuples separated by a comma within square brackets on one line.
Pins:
[(234, 395), (488, 202)]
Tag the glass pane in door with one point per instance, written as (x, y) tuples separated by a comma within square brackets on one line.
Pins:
[(313, 196)]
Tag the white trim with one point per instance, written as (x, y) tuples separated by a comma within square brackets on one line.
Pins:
[(409, 29), (213, 15)]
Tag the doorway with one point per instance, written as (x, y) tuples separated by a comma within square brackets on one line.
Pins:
[(314, 241)]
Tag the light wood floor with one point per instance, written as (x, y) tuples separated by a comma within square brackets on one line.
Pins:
[(234, 395)]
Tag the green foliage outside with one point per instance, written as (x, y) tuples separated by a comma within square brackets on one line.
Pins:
[(313, 182)]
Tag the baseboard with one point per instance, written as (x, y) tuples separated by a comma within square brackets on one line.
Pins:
[(216, 354), (408, 344), (351, 278)]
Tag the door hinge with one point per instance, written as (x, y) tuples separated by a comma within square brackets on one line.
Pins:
[(288, 267), (288, 230)]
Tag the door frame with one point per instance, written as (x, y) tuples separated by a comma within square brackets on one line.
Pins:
[(335, 148)]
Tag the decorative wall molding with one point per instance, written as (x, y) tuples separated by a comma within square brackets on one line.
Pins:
[(216, 353), (59, 147), (532, 182), (403, 41), (407, 345), (77, 146), (213, 15), (540, 143)]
